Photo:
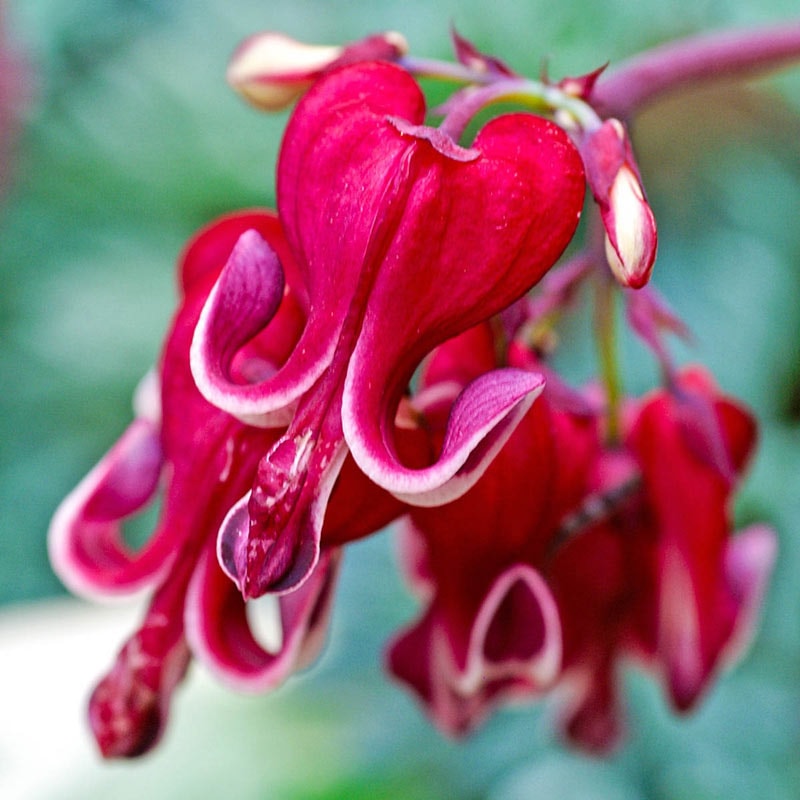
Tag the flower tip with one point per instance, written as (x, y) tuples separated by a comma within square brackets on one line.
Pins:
[(583, 85), (631, 235), (271, 70), (123, 735), (396, 42)]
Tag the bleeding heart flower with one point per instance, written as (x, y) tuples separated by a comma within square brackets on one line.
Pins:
[(692, 446), (490, 630), (204, 459), (656, 572), (403, 238)]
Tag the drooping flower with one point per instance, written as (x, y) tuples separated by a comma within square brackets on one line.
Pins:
[(490, 630), (659, 574), (566, 558), (403, 238), (204, 460)]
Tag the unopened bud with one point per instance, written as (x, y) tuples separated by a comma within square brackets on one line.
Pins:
[(631, 235), (271, 70)]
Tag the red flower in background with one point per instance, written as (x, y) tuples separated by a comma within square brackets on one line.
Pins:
[(490, 630), (567, 557), (661, 576)]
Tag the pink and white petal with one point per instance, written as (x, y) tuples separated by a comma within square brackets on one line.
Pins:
[(85, 541), (292, 564), (481, 421), (748, 562), (680, 642), (220, 633), (516, 633), (206, 253), (244, 300)]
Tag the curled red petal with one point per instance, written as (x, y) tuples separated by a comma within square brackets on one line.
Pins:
[(509, 649), (86, 543), (245, 299), (221, 635)]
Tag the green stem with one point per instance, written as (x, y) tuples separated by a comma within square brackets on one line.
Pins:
[(606, 337), (571, 112)]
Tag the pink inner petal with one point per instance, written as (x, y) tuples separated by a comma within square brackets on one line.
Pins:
[(220, 634), (85, 540), (244, 300), (481, 421)]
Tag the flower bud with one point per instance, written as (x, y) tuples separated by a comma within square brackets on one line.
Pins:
[(631, 236), (271, 70)]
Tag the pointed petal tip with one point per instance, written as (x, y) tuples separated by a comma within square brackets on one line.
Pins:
[(129, 707), (482, 419), (258, 566), (244, 300)]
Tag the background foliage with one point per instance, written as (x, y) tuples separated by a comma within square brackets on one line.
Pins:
[(132, 140)]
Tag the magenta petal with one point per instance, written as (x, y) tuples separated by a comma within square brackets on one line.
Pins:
[(282, 567), (244, 300), (749, 559), (516, 633), (482, 419), (87, 549), (129, 708), (221, 637), (512, 649)]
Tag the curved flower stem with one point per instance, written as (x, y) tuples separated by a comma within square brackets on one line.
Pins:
[(488, 88), (571, 111), (445, 70), (671, 66), (606, 337)]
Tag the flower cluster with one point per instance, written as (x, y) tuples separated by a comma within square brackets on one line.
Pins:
[(373, 351)]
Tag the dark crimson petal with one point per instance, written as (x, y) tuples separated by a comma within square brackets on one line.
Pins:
[(689, 447), (221, 636)]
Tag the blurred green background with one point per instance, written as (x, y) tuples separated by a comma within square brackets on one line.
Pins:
[(131, 141)]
